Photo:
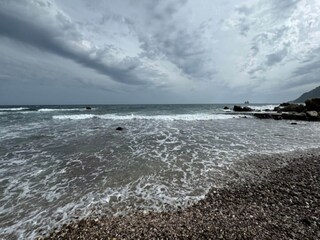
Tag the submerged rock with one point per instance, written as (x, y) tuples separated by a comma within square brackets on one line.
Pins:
[(225, 108), (88, 108), (119, 128)]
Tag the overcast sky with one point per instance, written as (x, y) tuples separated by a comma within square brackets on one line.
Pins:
[(148, 51)]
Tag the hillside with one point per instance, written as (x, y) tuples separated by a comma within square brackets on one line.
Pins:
[(315, 93)]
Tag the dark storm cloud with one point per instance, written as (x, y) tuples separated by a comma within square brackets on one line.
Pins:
[(52, 40)]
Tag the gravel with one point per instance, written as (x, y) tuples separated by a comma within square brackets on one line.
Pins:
[(266, 197)]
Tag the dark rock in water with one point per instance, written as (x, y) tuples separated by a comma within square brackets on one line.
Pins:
[(294, 123), (267, 110), (313, 104), (275, 116), (277, 109), (294, 116), (225, 108), (247, 109), (237, 108), (284, 104), (119, 128), (88, 108), (262, 115), (293, 108), (312, 115), (242, 109)]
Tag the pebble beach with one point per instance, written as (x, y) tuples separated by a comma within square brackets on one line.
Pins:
[(275, 197)]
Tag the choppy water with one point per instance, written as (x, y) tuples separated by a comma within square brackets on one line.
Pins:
[(58, 163)]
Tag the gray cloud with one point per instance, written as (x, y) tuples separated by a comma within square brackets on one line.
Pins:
[(310, 68), (282, 7), (180, 45), (52, 40), (244, 9), (276, 57)]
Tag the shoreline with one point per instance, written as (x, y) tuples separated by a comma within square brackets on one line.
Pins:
[(273, 197)]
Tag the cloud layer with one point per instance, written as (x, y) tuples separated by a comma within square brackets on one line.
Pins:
[(185, 51)]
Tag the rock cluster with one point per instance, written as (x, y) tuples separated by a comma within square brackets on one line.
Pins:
[(282, 203), (313, 104), (237, 108), (291, 111)]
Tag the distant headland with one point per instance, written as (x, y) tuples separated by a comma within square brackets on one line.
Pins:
[(314, 93)]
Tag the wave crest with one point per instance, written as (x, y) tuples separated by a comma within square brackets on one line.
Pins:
[(182, 117)]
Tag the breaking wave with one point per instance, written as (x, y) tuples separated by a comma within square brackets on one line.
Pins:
[(14, 109), (182, 117), (59, 109)]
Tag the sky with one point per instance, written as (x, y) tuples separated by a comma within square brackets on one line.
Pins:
[(152, 51)]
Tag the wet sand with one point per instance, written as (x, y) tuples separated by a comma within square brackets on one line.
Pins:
[(265, 197)]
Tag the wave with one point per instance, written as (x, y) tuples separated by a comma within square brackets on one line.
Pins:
[(14, 109), (59, 109), (264, 107), (182, 117)]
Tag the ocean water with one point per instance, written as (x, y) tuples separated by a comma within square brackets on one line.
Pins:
[(60, 163)]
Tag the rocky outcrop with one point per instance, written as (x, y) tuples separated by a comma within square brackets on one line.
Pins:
[(284, 104), (294, 116), (313, 104), (291, 111), (312, 115), (119, 128), (226, 108), (88, 108), (293, 108), (275, 116), (237, 108)]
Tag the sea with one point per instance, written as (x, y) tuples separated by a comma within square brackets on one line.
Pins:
[(63, 163)]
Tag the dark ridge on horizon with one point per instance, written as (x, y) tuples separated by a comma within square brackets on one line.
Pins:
[(314, 93)]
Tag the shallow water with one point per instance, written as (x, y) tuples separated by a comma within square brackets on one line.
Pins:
[(58, 163)]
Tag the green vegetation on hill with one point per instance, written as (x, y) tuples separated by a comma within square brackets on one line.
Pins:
[(315, 93)]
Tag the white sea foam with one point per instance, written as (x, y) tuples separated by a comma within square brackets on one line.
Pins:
[(74, 117), (14, 109), (182, 117), (59, 109), (263, 107)]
